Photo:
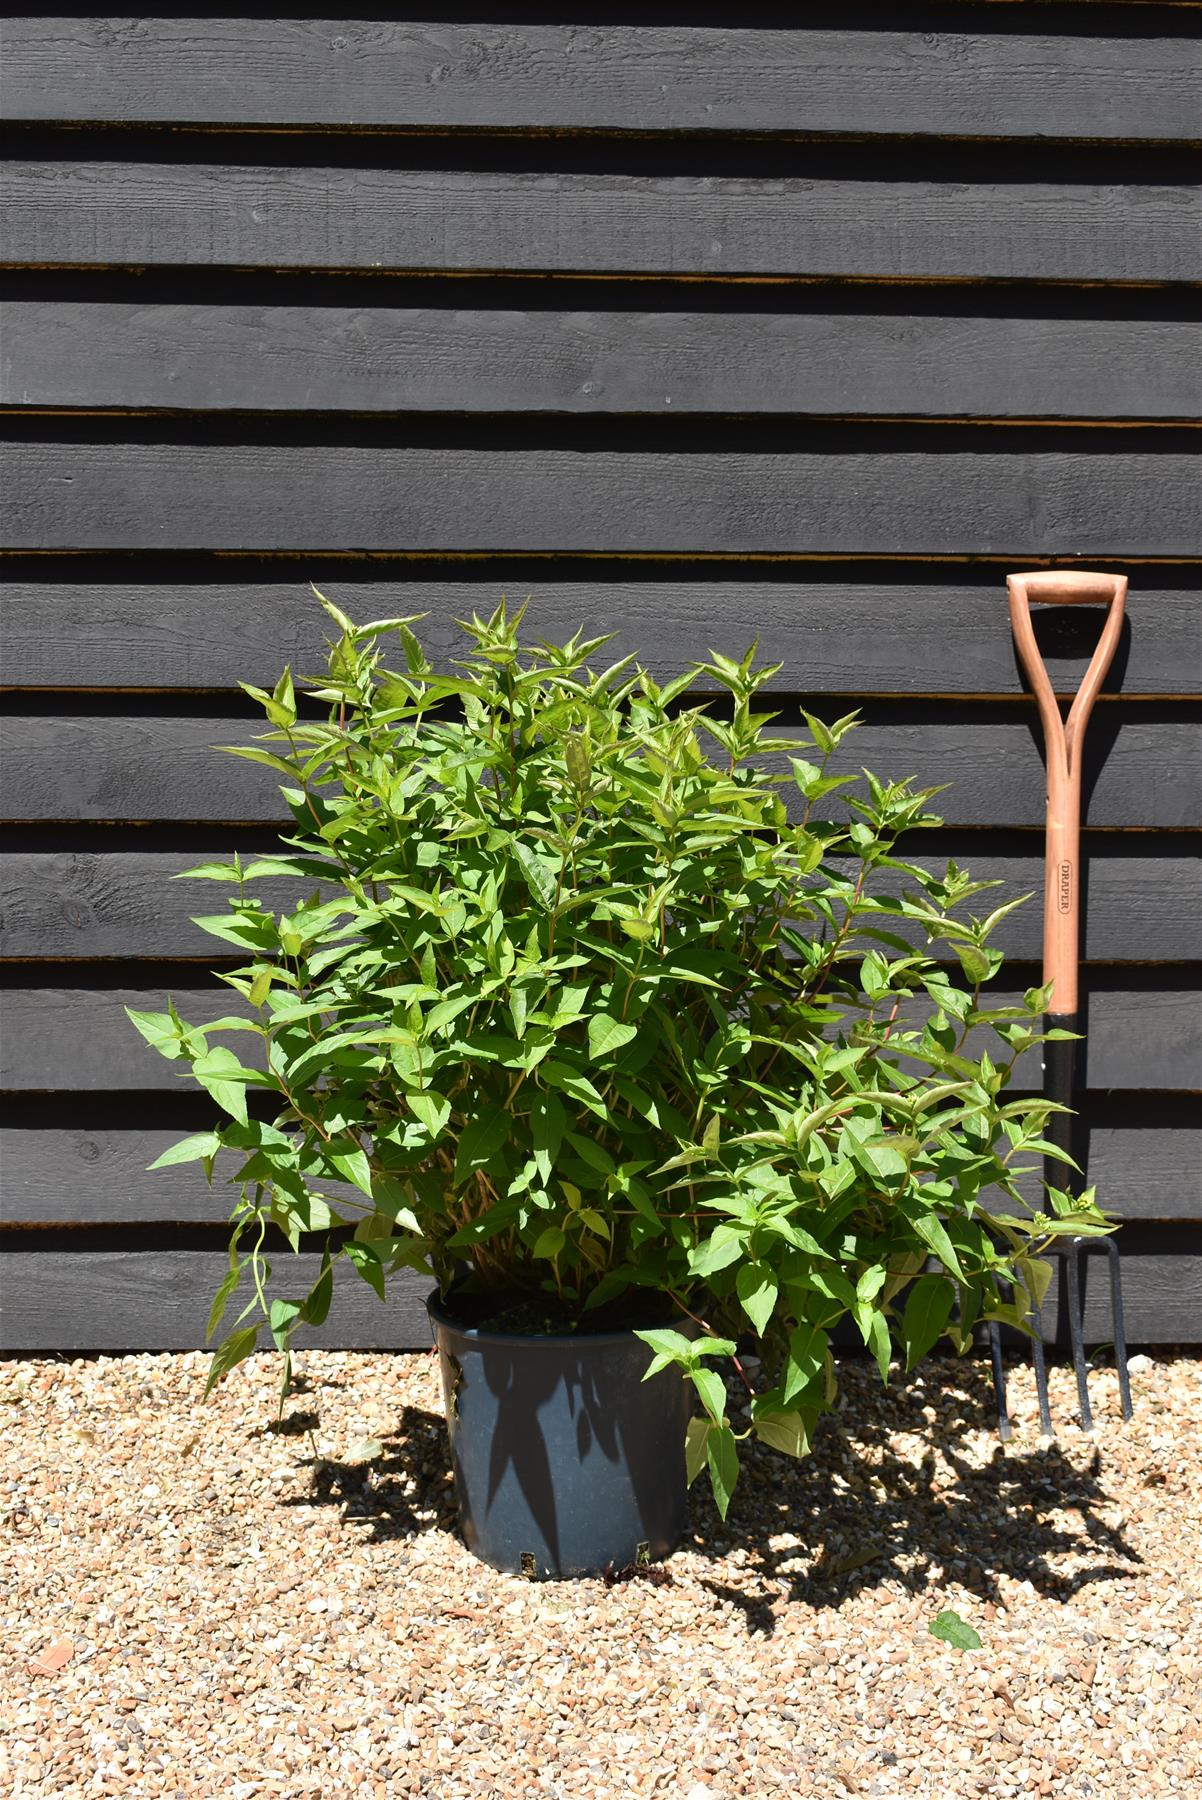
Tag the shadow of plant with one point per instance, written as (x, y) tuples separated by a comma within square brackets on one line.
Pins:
[(404, 1490), (855, 1513)]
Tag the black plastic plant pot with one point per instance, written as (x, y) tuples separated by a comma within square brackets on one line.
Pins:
[(566, 1461)]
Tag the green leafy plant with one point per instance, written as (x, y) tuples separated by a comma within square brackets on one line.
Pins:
[(590, 1008), (951, 1629)]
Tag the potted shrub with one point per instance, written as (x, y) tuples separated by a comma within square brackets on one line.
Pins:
[(606, 1024)]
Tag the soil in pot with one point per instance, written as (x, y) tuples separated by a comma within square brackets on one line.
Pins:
[(566, 1461)]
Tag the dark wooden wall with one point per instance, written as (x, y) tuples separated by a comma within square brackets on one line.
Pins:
[(693, 331)]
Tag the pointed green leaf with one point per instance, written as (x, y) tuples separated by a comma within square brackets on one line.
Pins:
[(696, 1438), (757, 1288), (482, 1137), (785, 1431), (190, 1149), (542, 876), (723, 1459), (432, 1110), (353, 1166), (548, 1243), (950, 1628), (606, 1034), (934, 1235), (927, 1310), (712, 1389), (160, 1031), (283, 1316), (236, 1348)]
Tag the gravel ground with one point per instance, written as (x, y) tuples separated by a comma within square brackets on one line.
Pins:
[(200, 1605)]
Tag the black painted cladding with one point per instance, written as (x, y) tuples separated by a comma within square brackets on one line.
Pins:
[(692, 333)]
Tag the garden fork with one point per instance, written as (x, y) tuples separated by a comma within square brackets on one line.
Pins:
[(1064, 741)]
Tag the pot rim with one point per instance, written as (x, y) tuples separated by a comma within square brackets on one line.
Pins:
[(481, 1335)]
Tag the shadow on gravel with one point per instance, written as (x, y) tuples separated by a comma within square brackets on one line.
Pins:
[(861, 1513), (857, 1512), (404, 1490)]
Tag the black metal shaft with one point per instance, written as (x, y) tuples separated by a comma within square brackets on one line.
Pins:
[(1059, 1065)]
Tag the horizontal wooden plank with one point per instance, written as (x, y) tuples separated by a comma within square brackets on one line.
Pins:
[(94, 904), (1136, 770), (248, 216), (519, 75), (79, 1174), (1020, 502), (1145, 1034), (158, 1300), (381, 359), (908, 634)]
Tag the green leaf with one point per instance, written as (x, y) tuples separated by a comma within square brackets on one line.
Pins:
[(353, 1166), (219, 1073), (365, 1451), (606, 1034), (934, 1234), (548, 1243), (950, 1628), (807, 1357), (696, 1438), (723, 1459), (878, 1341), (1036, 1276), (160, 1030), (723, 1247), (712, 1389), (579, 1087), (785, 1431), (672, 1344), (222, 1297), (316, 1308), (432, 1110), (884, 1157), (282, 1317), (927, 1310), (757, 1288), (197, 1148), (482, 1137), (366, 1259), (249, 931), (235, 1349), (542, 876), (641, 929)]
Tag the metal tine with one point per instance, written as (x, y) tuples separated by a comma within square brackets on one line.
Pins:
[(1005, 1429), (1118, 1323), (1076, 1330), (1040, 1362), (1079, 1247)]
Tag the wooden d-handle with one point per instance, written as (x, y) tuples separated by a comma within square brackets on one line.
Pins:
[(1063, 739), (1064, 587)]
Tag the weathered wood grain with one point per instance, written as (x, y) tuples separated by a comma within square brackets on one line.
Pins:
[(1138, 771), (905, 634), (1145, 1034), (515, 75), (379, 359), (158, 1300), (90, 904), (247, 216), (76, 1174), (991, 500)]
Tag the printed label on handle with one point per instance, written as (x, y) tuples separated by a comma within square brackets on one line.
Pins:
[(1064, 887)]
